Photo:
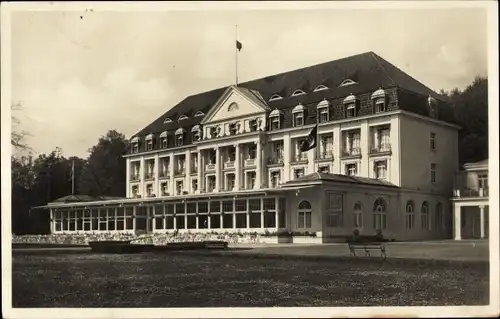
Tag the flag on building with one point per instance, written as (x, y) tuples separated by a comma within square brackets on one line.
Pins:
[(311, 141), (73, 178), (239, 46)]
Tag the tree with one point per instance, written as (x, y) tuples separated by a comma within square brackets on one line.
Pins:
[(103, 172), (17, 138), (470, 108)]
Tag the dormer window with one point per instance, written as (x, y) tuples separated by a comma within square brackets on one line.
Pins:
[(298, 92), (179, 137), (275, 119), (134, 145), (320, 87), (199, 113), (350, 106), (167, 120), (323, 111), (163, 140), (182, 117), (298, 115), (275, 97), (232, 129), (149, 142), (378, 99), (347, 82), (253, 125), (195, 133)]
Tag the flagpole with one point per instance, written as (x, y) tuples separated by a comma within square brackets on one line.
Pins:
[(73, 178), (317, 142), (236, 55)]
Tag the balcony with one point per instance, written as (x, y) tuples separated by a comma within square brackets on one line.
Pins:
[(149, 175), (210, 167), (164, 174), (382, 149), (354, 152), (229, 165), (180, 171), (470, 193), (302, 157), (275, 161), (250, 162), (135, 177), (325, 156)]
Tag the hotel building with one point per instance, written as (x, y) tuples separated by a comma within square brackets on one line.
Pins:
[(230, 160)]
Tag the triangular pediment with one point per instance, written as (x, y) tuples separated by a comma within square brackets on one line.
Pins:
[(236, 102)]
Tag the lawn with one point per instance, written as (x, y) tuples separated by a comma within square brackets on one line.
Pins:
[(191, 280)]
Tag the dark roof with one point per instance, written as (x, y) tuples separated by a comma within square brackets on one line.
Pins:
[(369, 70), (327, 177), (82, 198), (480, 163)]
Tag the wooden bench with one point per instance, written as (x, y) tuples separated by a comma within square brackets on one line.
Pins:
[(367, 247)]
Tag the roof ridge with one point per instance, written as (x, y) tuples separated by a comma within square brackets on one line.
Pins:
[(375, 57)]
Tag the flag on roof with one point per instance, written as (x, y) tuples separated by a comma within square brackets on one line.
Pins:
[(239, 46)]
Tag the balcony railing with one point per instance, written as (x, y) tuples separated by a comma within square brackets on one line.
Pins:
[(325, 155), (210, 167), (352, 152), (149, 175), (382, 148), (299, 157), (135, 177), (275, 161), (229, 164), (250, 162), (180, 171), (164, 173), (464, 193)]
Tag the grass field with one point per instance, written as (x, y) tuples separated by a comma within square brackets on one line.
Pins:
[(190, 280)]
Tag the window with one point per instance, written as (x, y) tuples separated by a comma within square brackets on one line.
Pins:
[(230, 182), (135, 147), (424, 215), (275, 117), (320, 87), (323, 115), (433, 173), (135, 190), (298, 119), (324, 169), (304, 215), (251, 176), (233, 107), (326, 146), (433, 141), (351, 169), (164, 188), (275, 178), (350, 110), (379, 214), (298, 92), (275, 97), (358, 215), (232, 129), (182, 117), (379, 105), (253, 125), (334, 210), (149, 142), (439, 217), (199, 113), (380, 169), (298, 173), (482, 180), (149, 190), (167, 120), (211, 183), (150, 164), (179, 137), (194, 185), (381, 139), (163, 142), (347, 82), (179, 187), (410, 215), (195, 133)]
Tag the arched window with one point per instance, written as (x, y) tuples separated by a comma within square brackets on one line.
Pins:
[(298, 115), (304, 215), (275, 97), (350, 105), (439, 217), (320, 87), (179, 136), (233, 107), (134, 145), (182, 117), (379, 214), (199, 113), (167, 120), (378, 99), (163, 139), (410, 215), (358, 215), (275, 120), (424, 216), (298, 92), (347, 82), (195, 133)]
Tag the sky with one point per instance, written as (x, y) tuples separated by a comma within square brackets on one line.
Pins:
[(78, 74)]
